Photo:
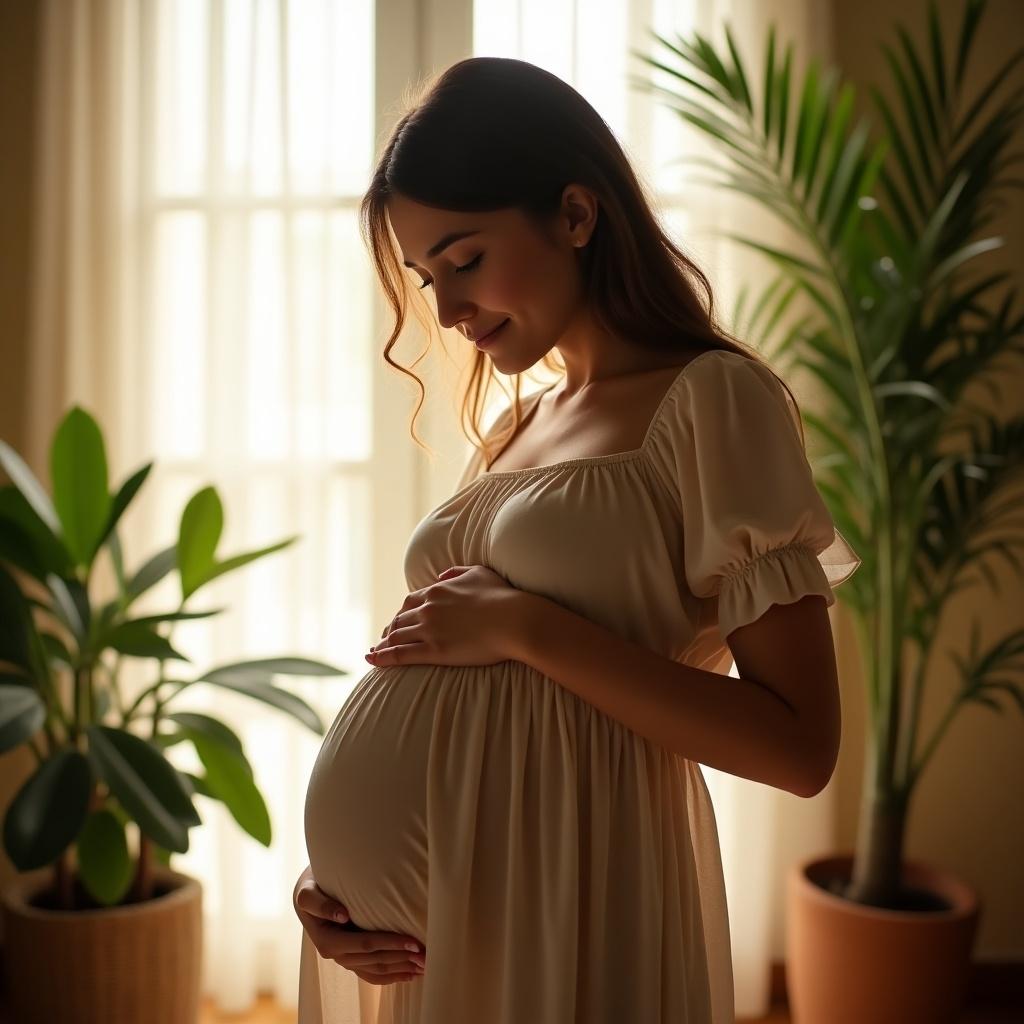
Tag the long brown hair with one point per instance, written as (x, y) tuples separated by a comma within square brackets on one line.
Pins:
[(531, 134)]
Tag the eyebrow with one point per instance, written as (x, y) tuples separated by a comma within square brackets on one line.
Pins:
[(450, 239)]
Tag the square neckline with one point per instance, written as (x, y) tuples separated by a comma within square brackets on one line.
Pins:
[(611, 457)]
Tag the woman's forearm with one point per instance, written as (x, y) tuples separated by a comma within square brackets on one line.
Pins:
[(734, 725)]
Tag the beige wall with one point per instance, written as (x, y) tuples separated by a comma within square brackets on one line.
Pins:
[(18, 26), (967, 810), (18, 38)]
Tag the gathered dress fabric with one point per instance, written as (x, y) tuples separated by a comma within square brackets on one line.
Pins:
[(558, 867)]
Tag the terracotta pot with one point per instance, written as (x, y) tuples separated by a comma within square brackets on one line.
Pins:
[(847, 963), (115, 965)]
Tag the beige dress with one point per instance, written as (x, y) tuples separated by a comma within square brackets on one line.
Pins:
[(557, 866)]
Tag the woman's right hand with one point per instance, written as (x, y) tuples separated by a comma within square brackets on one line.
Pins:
[(380, 958)]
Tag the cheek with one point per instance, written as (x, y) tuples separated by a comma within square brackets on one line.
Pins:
[(525, 284), (505, 294)]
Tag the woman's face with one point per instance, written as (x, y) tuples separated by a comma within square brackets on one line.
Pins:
[(503, 270)]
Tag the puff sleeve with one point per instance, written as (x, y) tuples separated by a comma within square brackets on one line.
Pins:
[(756, 531)]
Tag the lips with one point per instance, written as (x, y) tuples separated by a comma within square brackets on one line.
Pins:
[(492, 333)]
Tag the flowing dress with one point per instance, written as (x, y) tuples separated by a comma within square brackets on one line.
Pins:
[(558, 867)]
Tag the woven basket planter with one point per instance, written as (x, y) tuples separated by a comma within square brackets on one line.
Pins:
[(116, 965)]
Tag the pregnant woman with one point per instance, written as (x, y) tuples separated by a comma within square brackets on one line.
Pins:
[(515, 784)]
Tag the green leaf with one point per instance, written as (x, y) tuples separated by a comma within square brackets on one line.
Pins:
[(264, 669), (197, 784), (961, 256), (102, 703), (104, 865), (769, 84), (24, 548), (31, 490), (280, 699), (198, 535), (837, 201), (161, 617), (22, 714), (20, 643), (743, 90), (230, 779), (973, 10), (15, 623), (101, 622), (151, 573), (117, 561), (786, 259), (71, 605), (17, 679), (146, 784), (193, 721), (141, 641), (938, 55), (823, 171), (78, 468), (48, 811), (56, 649), (140, 630), (121, 501), (917, 388)]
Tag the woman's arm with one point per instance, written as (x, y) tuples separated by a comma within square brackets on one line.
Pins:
[(735, 725)]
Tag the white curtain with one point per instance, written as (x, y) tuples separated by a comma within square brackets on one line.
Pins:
[(200, 286)]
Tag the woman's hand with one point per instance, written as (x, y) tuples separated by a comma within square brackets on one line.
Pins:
[(471, 616), (380, 958)]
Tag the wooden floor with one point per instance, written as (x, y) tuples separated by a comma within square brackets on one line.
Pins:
[(267, 1011)]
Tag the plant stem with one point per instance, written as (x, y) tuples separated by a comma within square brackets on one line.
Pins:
[(63, 883), (142, 887)]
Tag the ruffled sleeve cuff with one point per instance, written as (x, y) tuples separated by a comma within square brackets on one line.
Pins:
[(781, 576)]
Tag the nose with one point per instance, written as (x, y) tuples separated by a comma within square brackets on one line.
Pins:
[(451, 311)]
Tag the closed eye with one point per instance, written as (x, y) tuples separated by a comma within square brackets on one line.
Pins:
[(471, 265)]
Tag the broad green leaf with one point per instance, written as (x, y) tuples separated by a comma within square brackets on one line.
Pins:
[(15, 623), (214, 729), (104, 864), (122, 500), (141, 641), (31, 490), (264, 669), (81, 498), (71, 604), (198, 535), (56, 650), (197, 784), (280, 699), (48, 811), (22, 714), (25, 540), (230, 779), (152, 572), (145, 783)]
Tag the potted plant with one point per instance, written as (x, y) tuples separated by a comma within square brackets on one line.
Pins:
[(109, 936), (918, 477)]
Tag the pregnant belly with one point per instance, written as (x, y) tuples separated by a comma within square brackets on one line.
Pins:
[(469, 770), (407, 737)]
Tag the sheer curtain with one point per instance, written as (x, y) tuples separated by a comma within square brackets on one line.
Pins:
[(200, 286)]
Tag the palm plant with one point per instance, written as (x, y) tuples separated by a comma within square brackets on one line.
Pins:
[(60, 688), (918, 478)]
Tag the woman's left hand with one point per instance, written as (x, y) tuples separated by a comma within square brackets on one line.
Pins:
[(469, 617)]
